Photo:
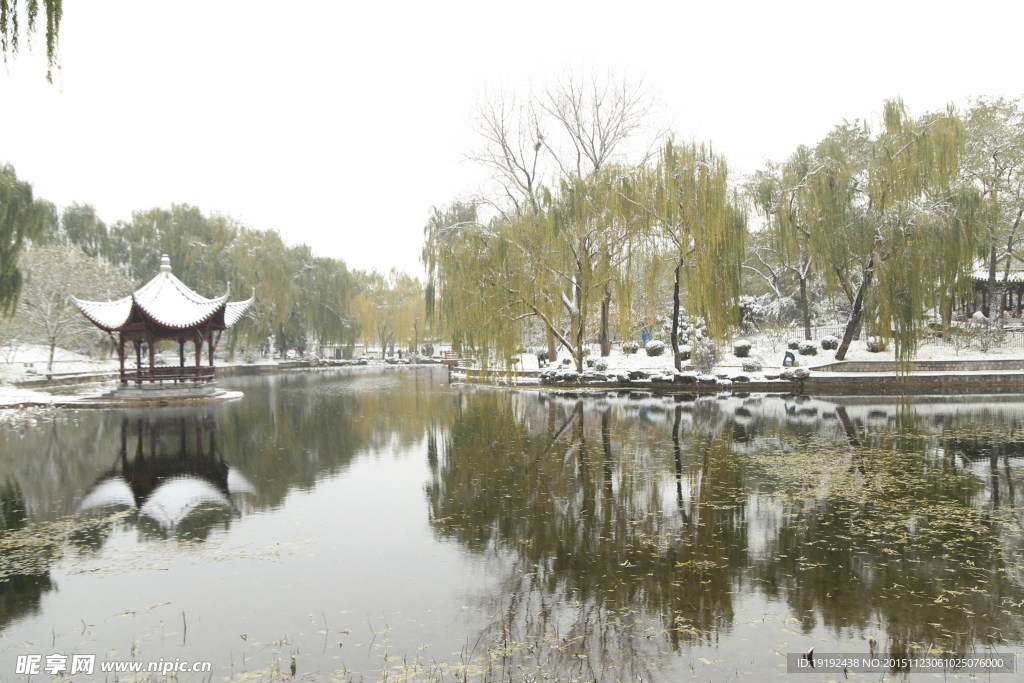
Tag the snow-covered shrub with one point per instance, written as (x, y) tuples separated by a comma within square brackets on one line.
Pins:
[(684, 353), (630, 347), (691, 328), (741, 348), (567, 361), (589, 362), (655, 348), (808, 348), (600, 364), (876, 344), (705, 355), (829, 343), (794, 343), (752, 365)]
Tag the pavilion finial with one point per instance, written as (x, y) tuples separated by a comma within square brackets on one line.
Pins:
[(165, 264)]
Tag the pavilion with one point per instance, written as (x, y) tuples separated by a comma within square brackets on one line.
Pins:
[(1009, 274), (166, 309)]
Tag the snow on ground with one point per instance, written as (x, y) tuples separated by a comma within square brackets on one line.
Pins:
[(26, 362), (771, 357)]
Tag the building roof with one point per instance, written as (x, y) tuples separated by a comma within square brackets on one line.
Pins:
[(1016, 273), (167, 301)]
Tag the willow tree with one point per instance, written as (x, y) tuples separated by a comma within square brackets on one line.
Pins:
[(795, 204), (22, 218), (918, 220), (551, 265), (389, 308), (685, 198), (11, 28)]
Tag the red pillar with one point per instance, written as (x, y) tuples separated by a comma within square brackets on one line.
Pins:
[(199, 352), (120, 354)]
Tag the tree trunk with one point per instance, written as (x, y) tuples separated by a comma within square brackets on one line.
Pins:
[(853, 327), (805, 307), (49, 366), (986, 309), (606, 305), (675, 320), (552, 349), (579, 323)]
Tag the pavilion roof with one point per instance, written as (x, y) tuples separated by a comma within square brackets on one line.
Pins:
[(167, 301), (1016, 274)]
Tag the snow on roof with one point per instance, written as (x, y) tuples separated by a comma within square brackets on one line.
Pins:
[(165, 299), (1016, 274), (235, 310), (109, 315), (981, 275)]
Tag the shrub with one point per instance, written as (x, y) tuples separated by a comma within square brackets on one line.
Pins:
[(829, 343), (655, 348), (630, 347), (589, 362), (705, 355), (684, 353), (793, 343), (876, 344), (741, 348), (752, 365), (601, 364), (808, 348)]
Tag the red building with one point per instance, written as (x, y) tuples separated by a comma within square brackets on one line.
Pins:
[(165, 309)]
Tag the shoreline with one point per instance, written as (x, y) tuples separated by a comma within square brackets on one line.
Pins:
[(40, 393), (847, 378)]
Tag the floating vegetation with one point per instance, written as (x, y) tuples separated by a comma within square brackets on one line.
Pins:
[(33, 549)]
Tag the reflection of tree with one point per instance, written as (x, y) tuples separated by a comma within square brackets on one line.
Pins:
[(603, 557), (630, 525), (892, 532), (292, 430), (20, 593)]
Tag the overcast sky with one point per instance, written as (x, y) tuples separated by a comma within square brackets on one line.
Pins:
[(340, 124)]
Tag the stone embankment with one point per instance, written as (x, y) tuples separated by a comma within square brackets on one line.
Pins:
[(849, 378)]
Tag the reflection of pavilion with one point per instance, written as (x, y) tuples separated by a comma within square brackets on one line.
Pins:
[(182, 472), (165, 309)]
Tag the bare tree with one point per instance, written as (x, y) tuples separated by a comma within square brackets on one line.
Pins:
[(599, 116), (511, 146), (571, 129), (45, 313)]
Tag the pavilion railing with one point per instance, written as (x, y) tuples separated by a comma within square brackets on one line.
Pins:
[(169, 374)]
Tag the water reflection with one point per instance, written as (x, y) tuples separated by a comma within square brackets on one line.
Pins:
[(636, 524), (176, 480), (599, 537)]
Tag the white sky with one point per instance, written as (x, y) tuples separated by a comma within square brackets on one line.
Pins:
[(340, 124)]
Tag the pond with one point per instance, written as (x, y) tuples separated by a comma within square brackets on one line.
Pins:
[(373, 524)]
